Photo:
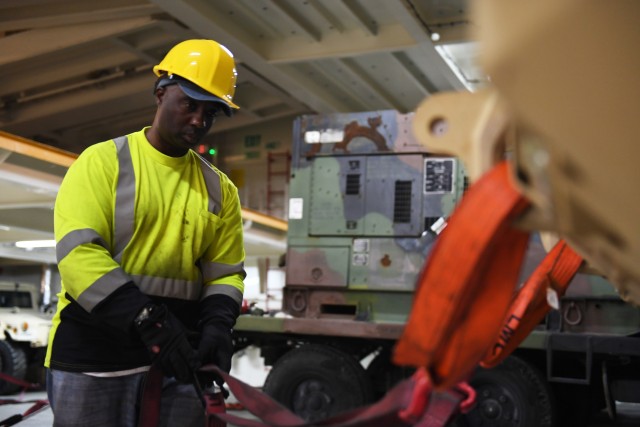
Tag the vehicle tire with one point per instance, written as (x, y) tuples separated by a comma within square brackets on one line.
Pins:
[(36, 372), (513, 393), (317, 382), (13, 361)]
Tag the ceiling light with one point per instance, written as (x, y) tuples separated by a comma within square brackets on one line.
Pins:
[(31, 244)]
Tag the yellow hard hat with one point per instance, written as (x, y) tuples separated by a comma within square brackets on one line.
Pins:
[(205, 63)]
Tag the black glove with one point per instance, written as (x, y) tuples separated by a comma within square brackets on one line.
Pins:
[(216, 346), (165, 338), (218, 314)]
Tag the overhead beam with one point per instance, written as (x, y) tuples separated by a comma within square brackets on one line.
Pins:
[(69, 66), (408, 76), (321, 8), (295, 21), (429, 59), (389, 38), (353, 74), (204, 19), (258, 80), (29, 17), (90, 95), (360, 14), (118, 41), (36, 150), (38, 42)]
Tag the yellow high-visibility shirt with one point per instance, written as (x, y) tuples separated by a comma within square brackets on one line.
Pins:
[(127, 213)]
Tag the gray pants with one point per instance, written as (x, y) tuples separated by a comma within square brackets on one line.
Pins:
[(79, 400)]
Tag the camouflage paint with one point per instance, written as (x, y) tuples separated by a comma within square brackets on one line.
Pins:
[(366, 199), (359, 232), (591, 305)]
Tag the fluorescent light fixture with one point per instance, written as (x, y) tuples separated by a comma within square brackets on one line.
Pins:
[(462, 58), (31, 244)]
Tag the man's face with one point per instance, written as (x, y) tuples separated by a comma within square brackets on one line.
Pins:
[(181, 122)]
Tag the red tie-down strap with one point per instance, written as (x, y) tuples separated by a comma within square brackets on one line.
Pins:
[(466, 285), (412, 402), (151, 394), (38, 404), (212, 403), (24, 385), (530, 305)]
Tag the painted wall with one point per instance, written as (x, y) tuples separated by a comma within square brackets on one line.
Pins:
[(243, 155)]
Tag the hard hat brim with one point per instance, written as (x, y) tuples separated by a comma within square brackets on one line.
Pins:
[(194, 91)]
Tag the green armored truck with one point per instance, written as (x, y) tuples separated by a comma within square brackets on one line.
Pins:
[(366, 204)]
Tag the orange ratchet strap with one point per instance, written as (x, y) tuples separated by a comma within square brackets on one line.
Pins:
[(467, 284), (530, 303)]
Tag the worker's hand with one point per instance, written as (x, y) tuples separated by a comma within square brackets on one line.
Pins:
[(165, 338), (216, 347)]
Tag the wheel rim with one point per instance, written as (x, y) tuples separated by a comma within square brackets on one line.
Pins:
[(496, 406), (312, 399)]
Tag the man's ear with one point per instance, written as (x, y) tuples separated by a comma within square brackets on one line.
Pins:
[(160, 92)]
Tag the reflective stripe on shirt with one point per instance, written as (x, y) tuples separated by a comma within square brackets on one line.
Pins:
[(125, 199), (212, 181), (124, 226)]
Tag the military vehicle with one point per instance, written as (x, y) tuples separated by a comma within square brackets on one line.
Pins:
[(25, 334), (366, 204)]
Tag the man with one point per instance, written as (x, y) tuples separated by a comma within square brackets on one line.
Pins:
[(149, 247)]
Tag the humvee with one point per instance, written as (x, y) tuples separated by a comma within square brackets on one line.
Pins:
[(25, 334)]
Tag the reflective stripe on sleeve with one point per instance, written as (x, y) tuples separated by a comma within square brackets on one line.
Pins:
[(102, 288), (125, 198), (212, 181), (223, 290), (169, 288), (76, 238), (215, 270)]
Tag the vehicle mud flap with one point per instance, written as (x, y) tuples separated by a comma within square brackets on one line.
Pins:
[(467, 284)]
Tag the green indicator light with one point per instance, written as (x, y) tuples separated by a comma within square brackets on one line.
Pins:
[(212, 151)]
